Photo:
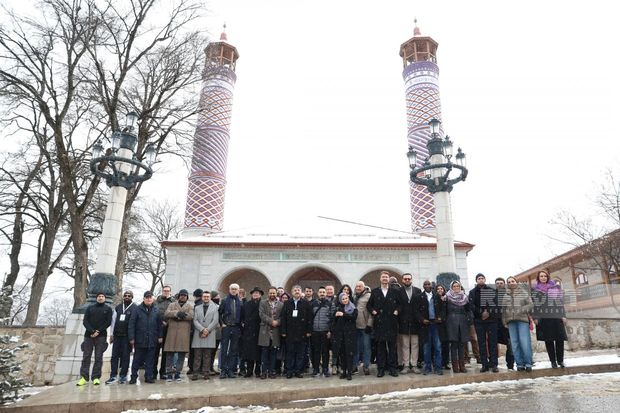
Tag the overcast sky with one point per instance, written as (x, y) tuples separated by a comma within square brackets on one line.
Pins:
[(528, 89)]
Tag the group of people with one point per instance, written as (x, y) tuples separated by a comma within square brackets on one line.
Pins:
[(399, 326)]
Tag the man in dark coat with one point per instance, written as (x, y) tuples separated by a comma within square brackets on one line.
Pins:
[(230, 320), (162, 302), (197, 294), (408, 325), (97, 319), (296, 326), (250, 352), (145, 333), (121, 350), (431, 314), (483, 300), (384, 305)]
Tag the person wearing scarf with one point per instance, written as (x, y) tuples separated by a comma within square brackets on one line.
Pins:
[(458, 320), (550, 317), (345, 334)]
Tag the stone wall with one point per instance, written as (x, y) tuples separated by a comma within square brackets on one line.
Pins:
[(587, 334), (38, 360)]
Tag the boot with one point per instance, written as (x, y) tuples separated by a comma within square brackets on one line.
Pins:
[(455, 366), (462, 368)]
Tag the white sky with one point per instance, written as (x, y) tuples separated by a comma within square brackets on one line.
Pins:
[(528, 89)]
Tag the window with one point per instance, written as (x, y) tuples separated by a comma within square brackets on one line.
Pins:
[(581, 279)]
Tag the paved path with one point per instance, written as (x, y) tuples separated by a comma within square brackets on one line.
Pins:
[(186, 395)]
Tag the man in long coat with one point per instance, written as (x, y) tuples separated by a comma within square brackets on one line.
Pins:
[(384, 305), (296, 327), (269, 333), (408, 325), (179, 317), (206, 323), (250, 352)]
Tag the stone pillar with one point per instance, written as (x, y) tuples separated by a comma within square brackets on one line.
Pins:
[(446, 259), (103, 280)]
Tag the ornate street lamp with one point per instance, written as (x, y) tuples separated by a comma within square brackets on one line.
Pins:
[(121, 171), (439, 175)]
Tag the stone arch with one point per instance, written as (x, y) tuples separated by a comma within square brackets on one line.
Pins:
[(313, 275), (247, 278), (371, 278)]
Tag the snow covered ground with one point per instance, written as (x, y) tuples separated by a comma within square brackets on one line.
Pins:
[(572, 393)]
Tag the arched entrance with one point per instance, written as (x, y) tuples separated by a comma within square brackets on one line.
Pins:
[(247, 278), (312, 276), (371, 279)]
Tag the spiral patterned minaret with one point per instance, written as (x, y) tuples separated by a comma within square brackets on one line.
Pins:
[(204, 209), (421, 75)]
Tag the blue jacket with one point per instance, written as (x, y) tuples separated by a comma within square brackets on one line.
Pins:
[(145, 326)]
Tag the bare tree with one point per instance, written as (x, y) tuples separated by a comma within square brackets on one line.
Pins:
[(150, 226), (78, 66), (598, 234), (56, 312)]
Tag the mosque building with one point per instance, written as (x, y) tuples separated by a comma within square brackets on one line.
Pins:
[(312, 252)]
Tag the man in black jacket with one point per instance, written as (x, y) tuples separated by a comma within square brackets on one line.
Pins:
[(408, 325), (483, 301), (432, 314), (384, 305), (296, 326), (97, 319), (145, 334), (120, 338)]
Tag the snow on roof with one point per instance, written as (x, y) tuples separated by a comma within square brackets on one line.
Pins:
[(315, 230)]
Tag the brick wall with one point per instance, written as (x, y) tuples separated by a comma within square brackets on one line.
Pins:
[(38, 360)]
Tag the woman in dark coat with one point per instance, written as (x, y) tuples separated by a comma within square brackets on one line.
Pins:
[(250, 351), (345, 334), (443, 337), (458, 320), (550, 317)]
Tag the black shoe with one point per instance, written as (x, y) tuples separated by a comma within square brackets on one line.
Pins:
[(247, 375), (133, 380), (151, 381), (343, 376), (289, 376), (561, 364), (484, 369), (366, 371), (299, 375), (349, 377), (393, 373), (519, 368), (554, 365), (495, 369), (528, 369), (510, 367), (381, 373)]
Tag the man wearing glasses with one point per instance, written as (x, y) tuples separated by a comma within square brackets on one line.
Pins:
[(119, 339)]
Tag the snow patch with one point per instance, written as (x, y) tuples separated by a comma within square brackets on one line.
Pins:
[(154, 396)]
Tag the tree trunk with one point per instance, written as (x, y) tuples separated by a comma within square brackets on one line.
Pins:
[(36, 293)]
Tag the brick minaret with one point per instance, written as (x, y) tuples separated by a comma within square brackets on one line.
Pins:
[(207, 181), (422, 93)]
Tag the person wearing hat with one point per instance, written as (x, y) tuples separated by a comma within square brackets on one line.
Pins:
[(179, 317), (97, 319), (145, 333), (190, 357), (120, 339), (250, 351)]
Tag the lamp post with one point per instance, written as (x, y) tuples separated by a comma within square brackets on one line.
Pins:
[(439, 175), (121, 171)]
